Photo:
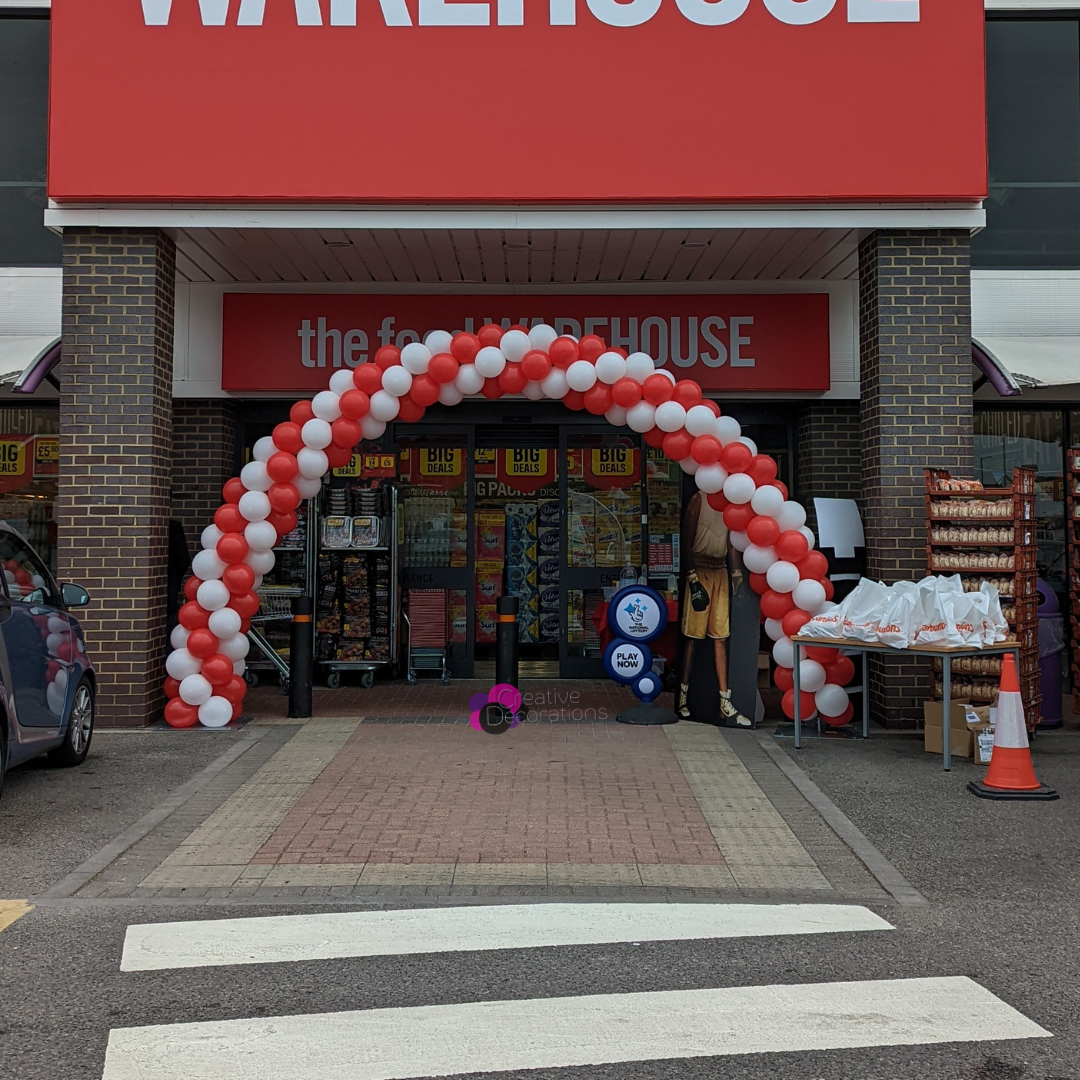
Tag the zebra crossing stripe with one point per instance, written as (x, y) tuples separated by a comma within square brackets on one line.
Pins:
[(551, 1033), (339, 935)]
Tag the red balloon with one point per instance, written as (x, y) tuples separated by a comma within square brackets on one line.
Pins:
[(574, 399), (203, 642), (841, 671), (245, 606), (813, 565), (443, 368), (234, 689), (409, 412), (830, 589), (563, 352), (288, 438), (218, 669), (822, 654), (511, 380), (718, 501), (776, 605), (591, 346), (346, 432), (763, 531), (759, 583), (737, 517), (617, 349), (626, 392), (491, 388), (687, 393), (781, 487), (710, 404), (171, 687), (489, 334), (338, 456), (657, 389), (283, 498), (655, 437), (301, 413), (762, 469), (179, 714), (536, 365), (245, 625), (282, 522), (425, 390), (354, 404), (193, 616), (736, 457), (191, 587), (795, 620), (368, 378), (234, 490), (677, 444), (281, 467), (464, 347), (239, 579), (792, 546), (705, 449), (519, 327), (597, 399), (783, 678), (843, 718), (807, 705), (237, 712), (386, 357), (232, 548)]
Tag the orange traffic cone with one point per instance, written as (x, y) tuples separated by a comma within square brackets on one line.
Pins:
[(1010, 774)]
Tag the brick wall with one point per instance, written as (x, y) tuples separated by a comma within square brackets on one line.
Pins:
[(828, 459), (204, 438), (916, 411), (116, 456)]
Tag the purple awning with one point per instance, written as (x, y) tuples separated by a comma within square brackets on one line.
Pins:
[(996, 373), (37, 369)]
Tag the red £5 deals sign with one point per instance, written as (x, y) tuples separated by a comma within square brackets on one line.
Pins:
[(502, 100), (732, 342)]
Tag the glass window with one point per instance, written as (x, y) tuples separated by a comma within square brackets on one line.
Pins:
[(29, 468), (1033, 127), (25, 578)]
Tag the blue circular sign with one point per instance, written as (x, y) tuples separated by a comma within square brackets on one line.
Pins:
[(648, 686), (638, 613), (626, 661)]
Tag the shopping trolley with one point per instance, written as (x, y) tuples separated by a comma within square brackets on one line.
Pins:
[(275, 605), (429, 633)]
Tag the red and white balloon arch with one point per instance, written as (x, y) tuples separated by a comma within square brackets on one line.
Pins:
[(205, 681)]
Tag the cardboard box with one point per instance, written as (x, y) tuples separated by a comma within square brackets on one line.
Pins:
[(960, 738), (982, 738)]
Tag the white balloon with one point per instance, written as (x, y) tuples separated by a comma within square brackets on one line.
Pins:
[(310, 486), (665, 372), (581, 375), (639, 366), (210, 537), (326, 405), (235, 647), (490, 362), (384, 407), (726, 429), (312, 463), (262, 562), (739, 488), (514, 344), (831, 700), (257, 583), (811, 539), (533, 391), (60, 679), (782, 576), (213, 595), (54, 641), (541, 337), (790, 516), (177, 639), (811, 676), (554, 384), (438, 341), (699, 420), (809, 595), (264, 448), (670, 416), (371, 428), (341, 382), (225, 622), (739, 540), (711, 478), (784, 652), (215, 712), (206, 565), (767, 500), (747, 441), (397, 381), (255, 506), (260, 535), (254, 475), (468, 380), (758, 559), (774, 629), (616, 415), (641, 417), (689, 466), (55, 624), (449, 394), (610, 367), (195, 689), (317, 434), (180, 664), (239, 667), (55, 699), (415, 358)]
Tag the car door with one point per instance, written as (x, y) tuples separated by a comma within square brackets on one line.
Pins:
[(36, 635)]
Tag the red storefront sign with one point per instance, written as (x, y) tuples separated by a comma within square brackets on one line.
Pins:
[(502, 100), (768, 342)]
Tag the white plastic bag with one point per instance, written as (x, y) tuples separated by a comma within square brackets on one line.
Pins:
[(864, 607), (997, 628), (895, 627), (827, 624), (930, 623)]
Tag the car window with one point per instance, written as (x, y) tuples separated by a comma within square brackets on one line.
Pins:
[(25, 577)]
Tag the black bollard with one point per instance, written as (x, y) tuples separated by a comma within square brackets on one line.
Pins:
[(506, 640), (300, 658)]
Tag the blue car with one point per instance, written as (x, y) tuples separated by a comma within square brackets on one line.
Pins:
[(47, 682)]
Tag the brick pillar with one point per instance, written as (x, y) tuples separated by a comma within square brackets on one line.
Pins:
[(204, 447), (915, 361), (828, 457), (116, 456)]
